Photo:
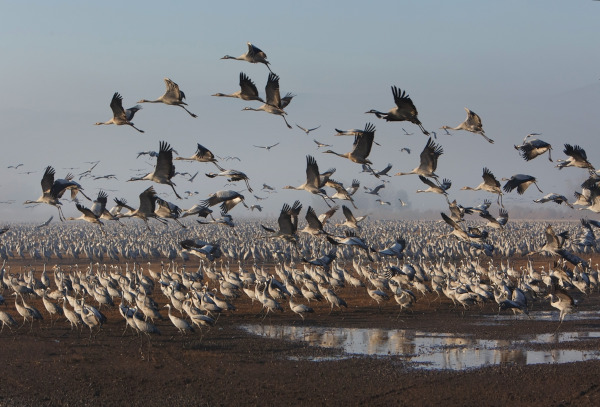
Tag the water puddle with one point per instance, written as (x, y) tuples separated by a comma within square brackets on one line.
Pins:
[(427, 350), (546, 316)]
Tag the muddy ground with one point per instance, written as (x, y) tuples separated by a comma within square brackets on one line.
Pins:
[(224, 365)]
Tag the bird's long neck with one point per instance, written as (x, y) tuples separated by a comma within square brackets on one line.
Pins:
[(150, 101)]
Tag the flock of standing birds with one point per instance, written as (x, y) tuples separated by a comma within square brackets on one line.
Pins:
[(309, 262)]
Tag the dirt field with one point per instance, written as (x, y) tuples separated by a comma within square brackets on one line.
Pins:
[(227, 366)]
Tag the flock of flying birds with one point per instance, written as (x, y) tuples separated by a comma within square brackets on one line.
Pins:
[(152, 206)]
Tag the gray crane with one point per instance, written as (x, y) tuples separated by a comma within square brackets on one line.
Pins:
[(405, 110), (247, 90), (472, 124), (164, 169), (172, 96), (274, 102), (254, 55), (120, 115)]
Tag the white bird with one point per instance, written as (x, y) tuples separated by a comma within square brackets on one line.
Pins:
[(405, 110), (121, 116), (164, 169), (254, 55), (472, 124), (172, 96)]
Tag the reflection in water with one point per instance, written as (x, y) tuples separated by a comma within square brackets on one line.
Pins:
[(432, 350)]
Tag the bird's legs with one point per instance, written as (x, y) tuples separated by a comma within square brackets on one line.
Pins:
[(191, 114)]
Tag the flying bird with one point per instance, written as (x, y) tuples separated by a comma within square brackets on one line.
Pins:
[(429, 158), (254, 55), (531, 148), (472, 124), (247, 90), (164, 169), (202, 155), (274, 102), (521, 182), (405, 110), (120, 115), (172, 96), (307, 130)]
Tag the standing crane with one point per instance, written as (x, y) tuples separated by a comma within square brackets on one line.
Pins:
[(164, 169), (172, 96), (472, 124), (120, 115), (405, 110)]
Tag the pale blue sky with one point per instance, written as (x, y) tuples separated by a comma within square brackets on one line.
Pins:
[(523, 66)]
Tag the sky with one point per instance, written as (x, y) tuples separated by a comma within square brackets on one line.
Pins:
[(524, 66)]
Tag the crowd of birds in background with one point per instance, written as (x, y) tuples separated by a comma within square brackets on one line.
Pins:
[(381, 262)]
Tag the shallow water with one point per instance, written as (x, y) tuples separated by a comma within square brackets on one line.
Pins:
[(427, 350)]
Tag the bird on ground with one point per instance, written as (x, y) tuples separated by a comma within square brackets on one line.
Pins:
[(429, 158), (553, 197), (561, 300), (268, 148), (146, 209), (577, 158), (313, 180), (319, 144), (274, 102), (436, 188), (232, 176), (307, 131), (254, 56), (489, 184), (521, 182), (288, 223), (300, 309), (351, 221), (202, 155), (227, 198), (532, 148), (361, 148), (405, 110), (181, 324), (120, 115), (472, 124), (247, 90), (164, 169), (172, 96), (7, 320)]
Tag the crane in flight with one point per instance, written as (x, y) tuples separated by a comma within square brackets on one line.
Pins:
[(405, 110), (120, 115), (274, 102), (248, 90), (472, 124), (172, 96), (254, 55), (164, 169)]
